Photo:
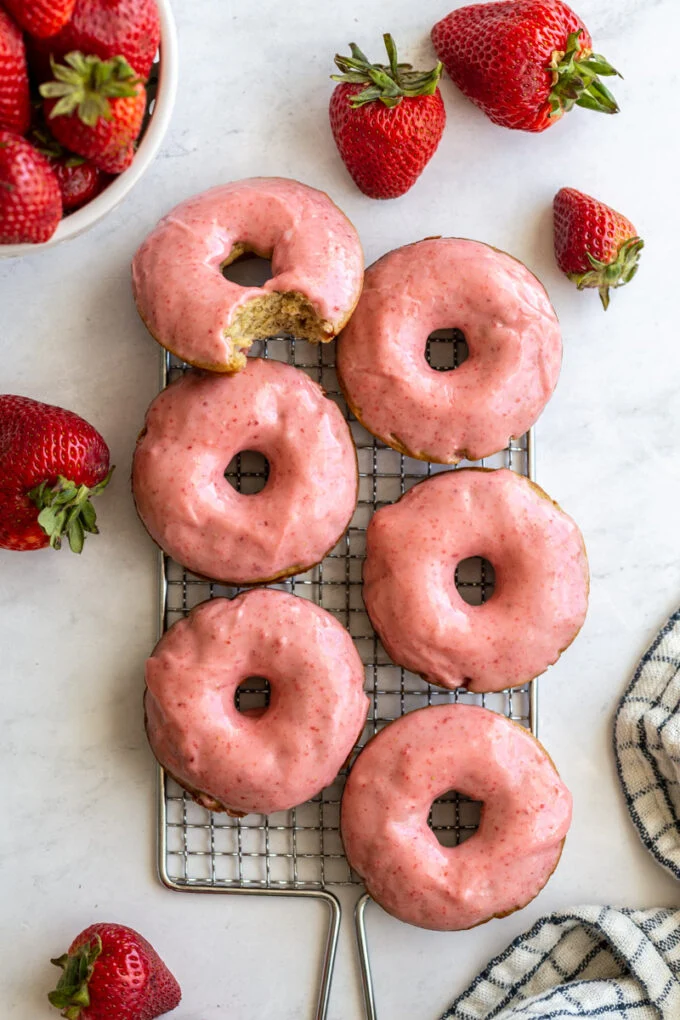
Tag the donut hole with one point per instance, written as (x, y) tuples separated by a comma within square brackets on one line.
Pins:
[(248, 472), (446, 349), (453, 818), (252, 696), (247, 268), (475, 580)]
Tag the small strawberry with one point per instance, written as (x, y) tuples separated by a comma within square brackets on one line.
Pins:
[(51, 463), (95, 108), (112, 973), (523, 62), (41, 18), (79, 180), (594, 245), (387, 121), (30, 200), (106, 29), (15, 103)]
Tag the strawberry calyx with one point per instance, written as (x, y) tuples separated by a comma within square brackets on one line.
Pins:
[(65, 509), (46, 144), (387, 83), (85, 85), (576, 82), (72, 994), (50, 147), (607, 275)]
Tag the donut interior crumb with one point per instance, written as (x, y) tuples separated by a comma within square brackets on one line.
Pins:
[(271, 314)]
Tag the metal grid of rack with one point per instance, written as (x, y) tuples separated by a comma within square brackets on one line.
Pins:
[(301, 849)]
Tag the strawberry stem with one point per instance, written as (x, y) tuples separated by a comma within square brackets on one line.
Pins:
[(608, 275), (72, 995), (86, 84), (65, 509), (575, 79), (388, 83)]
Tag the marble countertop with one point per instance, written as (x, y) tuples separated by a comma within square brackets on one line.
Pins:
[(77, 840)]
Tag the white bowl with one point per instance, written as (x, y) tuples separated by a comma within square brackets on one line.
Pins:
[(81, 220)]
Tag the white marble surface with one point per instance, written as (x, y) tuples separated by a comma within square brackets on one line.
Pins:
[(77, 835)]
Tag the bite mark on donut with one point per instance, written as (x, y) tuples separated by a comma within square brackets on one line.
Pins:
[(279, 312), (287, 312)]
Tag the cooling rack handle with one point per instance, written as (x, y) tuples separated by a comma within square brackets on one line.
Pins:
[(330, 951), (318, 895), (364, 957)]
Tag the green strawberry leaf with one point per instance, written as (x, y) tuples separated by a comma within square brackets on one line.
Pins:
[(66, 510), (84, 85), (72, 995), (387, 83), (606, 276), (575, 79)]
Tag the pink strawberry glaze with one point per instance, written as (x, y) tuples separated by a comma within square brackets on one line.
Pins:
[(264, 761), (541, 593), (484, 756), (185, 300), (513, 336), (192, 431)]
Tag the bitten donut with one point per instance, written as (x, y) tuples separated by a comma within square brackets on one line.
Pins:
[(541, 592), (192, 431), (260, 761), (526, 814), (195, 312), (513, 337)]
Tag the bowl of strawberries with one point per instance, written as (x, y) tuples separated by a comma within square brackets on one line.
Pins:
[(87, 89)]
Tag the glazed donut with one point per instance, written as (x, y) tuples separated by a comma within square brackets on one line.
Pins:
[(541, 593), (484, 756), (262, 761), (208, 321), (192, 431), (513, 336)]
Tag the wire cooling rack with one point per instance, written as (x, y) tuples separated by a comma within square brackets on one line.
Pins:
[(299, 852), (301, 848)]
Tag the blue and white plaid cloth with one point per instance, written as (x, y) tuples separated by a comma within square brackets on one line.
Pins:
[(602, 961)]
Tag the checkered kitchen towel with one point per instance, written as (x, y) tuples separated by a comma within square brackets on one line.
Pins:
[(647, 747), (603, 961)]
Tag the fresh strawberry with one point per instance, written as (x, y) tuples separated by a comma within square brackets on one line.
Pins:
[(95, 108), (387, 121), (523, 62), (30, 199), (106, 29), (15, 103), (51, 463), (594, 245), (41, 18), (79, 180), (112, 973)]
